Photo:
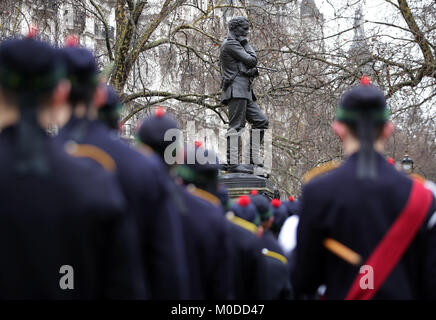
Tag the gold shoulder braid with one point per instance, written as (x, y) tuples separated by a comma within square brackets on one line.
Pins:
[(91, 152), (247, 225), (274, 255), (319, 170), (209, 197), (342, 251)]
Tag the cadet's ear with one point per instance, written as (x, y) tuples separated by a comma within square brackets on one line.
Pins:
[(388, 129), (60, 93), (339, 129), (260, 231), (100, 96)]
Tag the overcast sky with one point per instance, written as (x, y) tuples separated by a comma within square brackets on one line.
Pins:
[(373, 10)]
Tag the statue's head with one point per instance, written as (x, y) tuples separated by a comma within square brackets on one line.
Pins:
[(239, 26)]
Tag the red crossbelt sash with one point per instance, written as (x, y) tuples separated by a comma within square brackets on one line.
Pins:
[(395, 242)]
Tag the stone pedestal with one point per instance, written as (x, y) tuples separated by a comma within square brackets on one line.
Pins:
[(241, 183)]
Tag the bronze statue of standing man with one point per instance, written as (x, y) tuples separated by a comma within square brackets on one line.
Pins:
[(238, 67)]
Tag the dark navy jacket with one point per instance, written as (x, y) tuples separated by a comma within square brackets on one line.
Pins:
[(207, 246), (145, 184), (75, 215), (277, 268), (358, 213), (249, 266)]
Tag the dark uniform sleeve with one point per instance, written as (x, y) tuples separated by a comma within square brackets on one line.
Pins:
[(221, 287), (245, 54), (309, 253), (165, 254), (284, 282), (123, 278), (259, 285), (429, 272)]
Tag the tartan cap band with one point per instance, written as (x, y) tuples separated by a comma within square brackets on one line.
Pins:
[(343, 114)]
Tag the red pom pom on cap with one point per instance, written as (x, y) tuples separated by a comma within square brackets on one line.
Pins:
[(276, 203), (365, 80), (72, 41), (244, 200), (160, 112), (198, 144), (291, 198), (254, 192), (33, 31), (391, 161)]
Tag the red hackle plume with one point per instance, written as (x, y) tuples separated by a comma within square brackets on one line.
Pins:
[(72, 41), (244, 200), (365, 80), (160, 112), (276, 203)]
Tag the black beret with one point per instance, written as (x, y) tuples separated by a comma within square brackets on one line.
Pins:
[(80, 64), (28, 64), (364, 98), (153, 128), (246, 210), (293, 207), (201, 159), (263, 206), (200, 165)]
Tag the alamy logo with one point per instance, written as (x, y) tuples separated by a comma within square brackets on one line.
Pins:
[(367, 280), (67, 280), (231, 147)]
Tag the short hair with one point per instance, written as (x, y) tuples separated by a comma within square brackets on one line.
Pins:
[(236, 22), (354, 130)]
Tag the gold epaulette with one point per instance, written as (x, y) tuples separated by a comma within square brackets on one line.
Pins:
[(274, 255), (209, 197), (342, 251), (247, 225), (319, 170), (417, 177), (91, 152)]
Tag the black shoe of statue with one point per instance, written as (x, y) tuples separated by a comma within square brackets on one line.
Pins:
[(240, 168)]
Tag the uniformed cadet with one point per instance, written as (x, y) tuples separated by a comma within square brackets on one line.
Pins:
[(280, 214), (277, 265), (204, 227), (142, 178), (64, 232), (207, 245), (264, 209), (249, 264), (292, 206), (203, 173), (245, 209), (366, 230)]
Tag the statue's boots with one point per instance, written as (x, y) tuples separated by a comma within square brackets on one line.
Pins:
[(234, 155), (256, 140)]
